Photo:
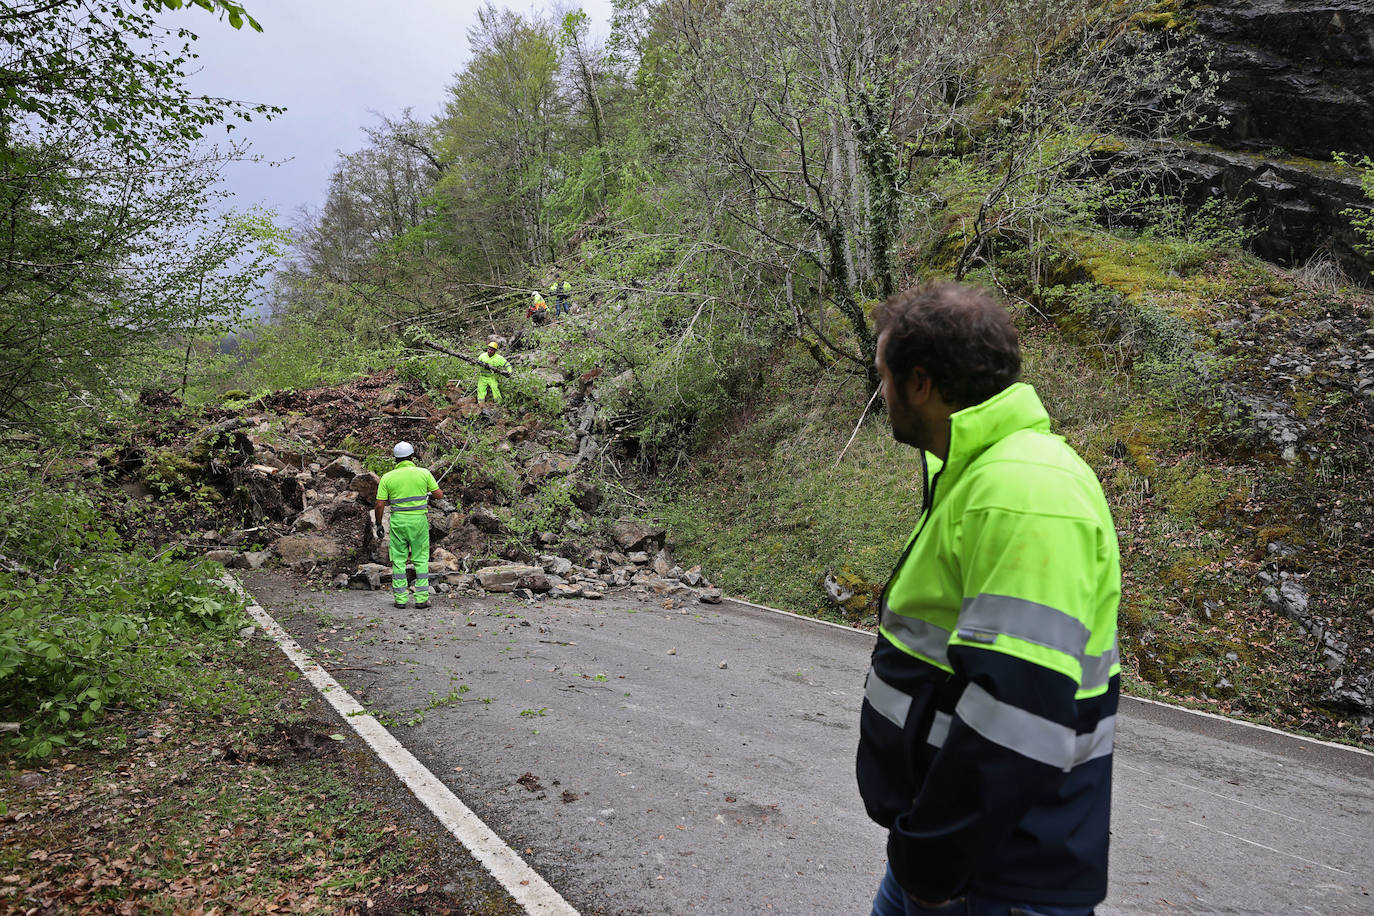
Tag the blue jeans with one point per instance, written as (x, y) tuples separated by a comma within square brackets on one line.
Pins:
[(892, 901)]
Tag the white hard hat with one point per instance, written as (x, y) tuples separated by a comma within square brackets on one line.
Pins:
[(403, 450)]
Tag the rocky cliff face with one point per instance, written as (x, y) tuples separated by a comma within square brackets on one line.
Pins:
[(1299, 73), (1299, 86), (1295, 206)]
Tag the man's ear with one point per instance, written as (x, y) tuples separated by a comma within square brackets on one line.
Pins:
[(918, 386)]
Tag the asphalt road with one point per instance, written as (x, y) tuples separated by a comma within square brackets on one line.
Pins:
[(700, 760)]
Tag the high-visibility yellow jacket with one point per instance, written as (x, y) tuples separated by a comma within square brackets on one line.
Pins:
[(406, 488), (990, 708), (491, 361)]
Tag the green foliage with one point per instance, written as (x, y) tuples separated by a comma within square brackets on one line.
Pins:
[(498, 133), (110, 191), (795, 514), (1362, 218), (549, 507), (301, 352), (87, 624)]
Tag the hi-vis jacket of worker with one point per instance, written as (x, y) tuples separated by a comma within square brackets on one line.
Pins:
[(990, 708), (491, 362)]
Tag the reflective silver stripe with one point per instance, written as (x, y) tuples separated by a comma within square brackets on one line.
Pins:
[(410, 508), (1097, 669), (407, 499), (1003, 615), (918, 635), (939, 729), (986, 617), (1096, 744), (888, 701), (1012, 727)]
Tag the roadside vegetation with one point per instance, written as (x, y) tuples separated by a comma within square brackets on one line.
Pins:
[(244, 793)]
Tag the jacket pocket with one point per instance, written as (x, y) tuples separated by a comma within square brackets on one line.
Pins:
[(893, 756)]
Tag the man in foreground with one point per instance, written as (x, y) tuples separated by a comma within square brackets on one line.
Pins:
[(989, 711), (407, 489)]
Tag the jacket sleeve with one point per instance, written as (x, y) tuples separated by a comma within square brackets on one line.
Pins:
[(1018, 649)]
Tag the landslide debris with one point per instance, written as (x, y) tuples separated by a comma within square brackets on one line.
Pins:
[(290, 480)]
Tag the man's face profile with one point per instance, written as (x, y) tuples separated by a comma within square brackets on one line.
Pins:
[(906, 423)]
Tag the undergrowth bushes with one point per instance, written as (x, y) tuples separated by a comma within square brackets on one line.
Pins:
[(89, 624)]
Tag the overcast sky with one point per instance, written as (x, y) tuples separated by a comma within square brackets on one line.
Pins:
[(331, 63)]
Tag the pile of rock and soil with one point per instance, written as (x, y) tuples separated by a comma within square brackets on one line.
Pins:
[(285, 481)]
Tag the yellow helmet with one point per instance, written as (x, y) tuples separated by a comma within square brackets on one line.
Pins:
[(494, 345)]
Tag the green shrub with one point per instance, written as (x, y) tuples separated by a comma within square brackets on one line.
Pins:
[(87, 624)]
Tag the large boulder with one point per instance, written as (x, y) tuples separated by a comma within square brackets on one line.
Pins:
[(508, 578), (369, 577), (443, 561), (661, 586), (250, 559), (309, 520), (585, 495), (550, 377), (465, 540), (365, 485), (535, 582), (556, 566), (345, 466), (302, 549), (549, 466), (634, 536), (484, 519)]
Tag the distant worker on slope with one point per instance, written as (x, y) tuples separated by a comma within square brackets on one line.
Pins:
[(989, 711), (538, 311), (560, 289), (407, 489), (486, 377)]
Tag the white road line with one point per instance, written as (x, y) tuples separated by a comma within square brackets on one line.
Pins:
[(1196, 712), (523, 883), (1264, 728), (1206, 791), (1270, 848), (1237, 801)]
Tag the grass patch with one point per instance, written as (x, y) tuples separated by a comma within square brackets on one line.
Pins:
[(795, 514)]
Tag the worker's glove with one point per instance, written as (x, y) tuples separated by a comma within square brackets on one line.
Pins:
[(378, 532)]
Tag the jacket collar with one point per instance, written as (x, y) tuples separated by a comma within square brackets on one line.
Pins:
[(405, 463), (974, 429)]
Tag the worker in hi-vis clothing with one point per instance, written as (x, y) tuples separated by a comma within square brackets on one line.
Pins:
[(486, 378), (560, 289), (407, 489)]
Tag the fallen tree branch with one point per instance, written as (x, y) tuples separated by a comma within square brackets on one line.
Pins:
[(425, 342), (862, 416), (9, 565)]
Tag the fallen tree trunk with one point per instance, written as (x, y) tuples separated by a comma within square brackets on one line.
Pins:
[(464, 357)]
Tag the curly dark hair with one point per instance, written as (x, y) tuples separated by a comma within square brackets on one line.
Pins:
[(960, 335)]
